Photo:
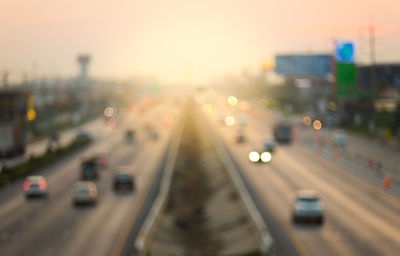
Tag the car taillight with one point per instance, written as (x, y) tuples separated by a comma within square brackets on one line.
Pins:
[(26, 185), (42, 184)]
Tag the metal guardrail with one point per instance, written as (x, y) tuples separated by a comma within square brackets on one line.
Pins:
[(147, 225), (136, 230), (266, 242)]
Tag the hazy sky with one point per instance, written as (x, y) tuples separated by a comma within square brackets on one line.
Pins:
[(161, 38)]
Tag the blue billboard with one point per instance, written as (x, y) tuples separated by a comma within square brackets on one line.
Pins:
[(345, 51), (319, 65)]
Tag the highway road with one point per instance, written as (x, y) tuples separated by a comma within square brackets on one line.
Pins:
[(53, 226), (361, 218)]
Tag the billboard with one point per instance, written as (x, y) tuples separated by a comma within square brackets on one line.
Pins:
[(346, 70), (319, 65), (345, 51)]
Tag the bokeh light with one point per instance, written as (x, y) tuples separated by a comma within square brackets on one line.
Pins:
[(229, 120), (232, 101), (317, 125)]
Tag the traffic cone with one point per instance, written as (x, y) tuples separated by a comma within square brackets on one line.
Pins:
[(336, 154), (386, 181), (371, 163)]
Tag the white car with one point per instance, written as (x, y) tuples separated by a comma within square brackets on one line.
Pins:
[(85, 193), (308, 207), (35, 186)]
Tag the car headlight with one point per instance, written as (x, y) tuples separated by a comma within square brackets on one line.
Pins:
[(266, 157), (254, 156)]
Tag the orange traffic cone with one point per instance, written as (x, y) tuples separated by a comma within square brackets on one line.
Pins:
[(336, 154), (386, 181)]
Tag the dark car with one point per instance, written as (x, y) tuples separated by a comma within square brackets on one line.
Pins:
[(123, 182), (101, 160), (82, 136), (89, 170), (130, 135)]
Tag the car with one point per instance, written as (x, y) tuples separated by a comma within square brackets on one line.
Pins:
[(123, 181), (35, 186), (89, 169), (82, 136), (240, 137), (260, 157), (340, 139), (308, 207), (101, 160), (85, 193), (270, 145), (129, 135)]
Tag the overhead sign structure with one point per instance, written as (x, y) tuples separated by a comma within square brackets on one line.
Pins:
[(319, 65)]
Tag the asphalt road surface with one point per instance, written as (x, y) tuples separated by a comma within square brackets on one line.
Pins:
[(361, 218), (53, 226)]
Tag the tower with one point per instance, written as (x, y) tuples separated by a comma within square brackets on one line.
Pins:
[(83, 61)]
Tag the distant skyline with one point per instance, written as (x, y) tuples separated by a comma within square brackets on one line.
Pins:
[(163, 38)]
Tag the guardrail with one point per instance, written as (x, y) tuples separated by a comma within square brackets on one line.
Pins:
[(132, 240), (147, 229), (266, 242)]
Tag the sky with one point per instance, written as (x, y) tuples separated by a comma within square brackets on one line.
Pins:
[(184, 41)]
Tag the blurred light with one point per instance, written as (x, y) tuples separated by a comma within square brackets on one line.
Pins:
[(26, 185), (254, 156), (266, 157), (244, 106), (31, 115), (229, 120), (232, 101), (108, 112), (207, 108), (317, 124), (307, 120), (42, 184), (332, 106)]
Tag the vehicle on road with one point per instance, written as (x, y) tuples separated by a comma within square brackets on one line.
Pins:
[(269, 145), (340, 139), (85, 193), (283, 132), (101, 160), (240, 137), (130, 135), (35, 186), (82, 136), (308, 207), (89, 169), (260, 157), (123, 182)]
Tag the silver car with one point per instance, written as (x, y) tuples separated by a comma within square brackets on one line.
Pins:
[(35, 186), (308, 207), (85, 193)]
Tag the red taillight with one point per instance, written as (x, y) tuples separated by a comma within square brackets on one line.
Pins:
[(26, 185), (42, 184)]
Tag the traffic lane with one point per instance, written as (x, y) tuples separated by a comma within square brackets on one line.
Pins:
[(62, 175), (294, 180), (63, 217), (59, 176), (103, 232), (372, 202), (368, 195), (102, 134), (15, 220)]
